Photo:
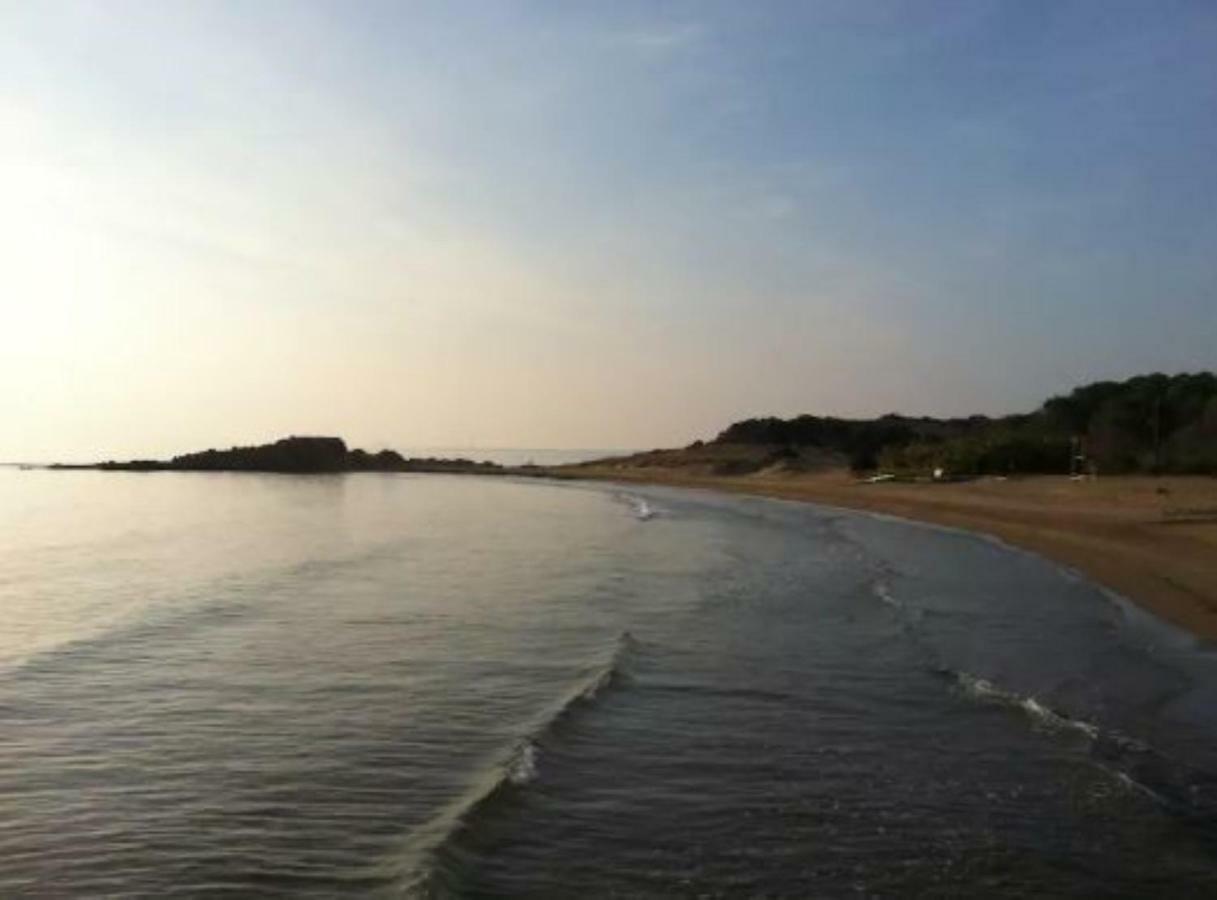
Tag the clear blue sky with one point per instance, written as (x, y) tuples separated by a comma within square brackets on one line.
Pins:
[(589, 224)]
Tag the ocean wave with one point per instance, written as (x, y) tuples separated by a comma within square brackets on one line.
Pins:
[(639, 507), (1131, 785), (523, 766), (1042, 715), (884, 593), (433, 852), (131, 632), (747, 694), (1180, 789), (169, 613)]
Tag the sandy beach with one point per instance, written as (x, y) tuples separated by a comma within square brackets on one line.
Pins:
[(1153, 540)]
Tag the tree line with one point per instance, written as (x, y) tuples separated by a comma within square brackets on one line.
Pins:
[(1148, 423)]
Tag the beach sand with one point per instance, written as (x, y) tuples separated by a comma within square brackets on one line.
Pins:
[(1153, 540)]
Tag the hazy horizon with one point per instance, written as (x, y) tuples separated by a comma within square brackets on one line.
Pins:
[(579, 226)]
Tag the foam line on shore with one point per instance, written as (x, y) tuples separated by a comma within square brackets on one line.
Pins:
[(1178, 788)]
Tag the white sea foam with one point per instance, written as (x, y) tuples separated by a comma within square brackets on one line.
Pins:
[(523, 766), (1131, 784), (639, 507), (1136, 766), (884, 593), (643, 510), (985, 690)]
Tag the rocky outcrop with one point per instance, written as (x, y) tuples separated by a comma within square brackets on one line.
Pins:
[(292, 454), (297, 455)]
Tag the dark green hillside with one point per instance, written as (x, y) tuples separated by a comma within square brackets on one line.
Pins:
[(1150, 423)]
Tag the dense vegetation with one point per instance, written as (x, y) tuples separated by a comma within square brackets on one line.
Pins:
[(861, 440), (298, 455), (294, 454), (1150, 423)]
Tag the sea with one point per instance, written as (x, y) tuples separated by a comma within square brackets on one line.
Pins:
[(513, 456), (401, 685)]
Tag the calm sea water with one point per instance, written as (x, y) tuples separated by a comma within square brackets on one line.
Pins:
[(514, 456), (236, 685)]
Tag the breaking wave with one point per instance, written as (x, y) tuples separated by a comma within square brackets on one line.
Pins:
[(435, 849), (1043, 716), (884, 593), (1180, 789), (639, 507), (523, 768)]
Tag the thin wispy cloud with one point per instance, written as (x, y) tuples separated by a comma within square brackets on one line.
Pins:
[(663, 38)]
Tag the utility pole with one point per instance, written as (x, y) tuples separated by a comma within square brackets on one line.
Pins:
[(1077, 456), (1157, 433)]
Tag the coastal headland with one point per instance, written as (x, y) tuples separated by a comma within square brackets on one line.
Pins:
[(295, 456)]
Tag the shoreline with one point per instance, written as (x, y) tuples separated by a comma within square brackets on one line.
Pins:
[(1122, 532), (1151, 540)]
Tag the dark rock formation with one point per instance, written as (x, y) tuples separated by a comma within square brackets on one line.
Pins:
[(297, 455), (293, 454)]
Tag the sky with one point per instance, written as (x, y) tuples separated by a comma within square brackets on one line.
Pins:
[(586, 224)]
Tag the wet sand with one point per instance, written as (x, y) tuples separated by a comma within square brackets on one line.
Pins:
[(1153, 540)]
